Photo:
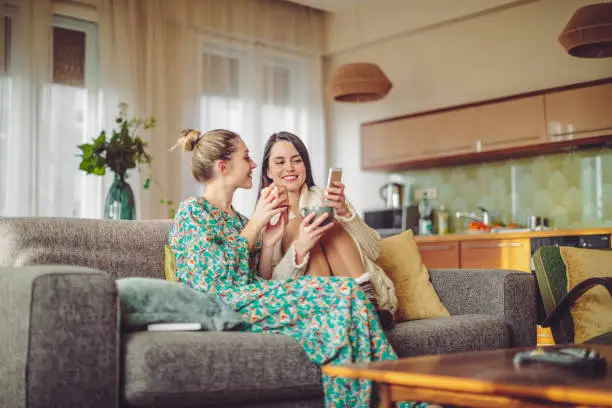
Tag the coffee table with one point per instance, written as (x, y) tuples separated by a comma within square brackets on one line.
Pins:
[(482, 379)]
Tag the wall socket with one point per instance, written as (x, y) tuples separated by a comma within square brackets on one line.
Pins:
[(432, 193)]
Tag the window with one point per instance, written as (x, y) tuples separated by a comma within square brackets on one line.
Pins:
[(42, 123), (254, 92), (282, 95), (64, 190)]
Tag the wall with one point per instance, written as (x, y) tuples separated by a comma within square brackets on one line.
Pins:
[(571, 189), (477, 56)]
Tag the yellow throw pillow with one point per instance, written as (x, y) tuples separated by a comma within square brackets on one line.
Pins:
[(416, 297), (169, 264), (592, 312)]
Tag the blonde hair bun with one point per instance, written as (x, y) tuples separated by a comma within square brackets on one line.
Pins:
[(188, 140)]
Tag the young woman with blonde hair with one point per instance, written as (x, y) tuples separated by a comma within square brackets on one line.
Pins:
[(220, 251)]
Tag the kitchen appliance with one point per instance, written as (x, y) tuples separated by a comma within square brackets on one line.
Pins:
[(392, 194), (534, 222), (391, 221), (595, 241)]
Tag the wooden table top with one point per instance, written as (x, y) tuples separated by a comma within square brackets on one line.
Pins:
[(490, 373)]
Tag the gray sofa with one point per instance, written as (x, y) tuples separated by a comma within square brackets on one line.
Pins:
[(62, 347)]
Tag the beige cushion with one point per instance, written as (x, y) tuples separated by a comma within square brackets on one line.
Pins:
[(416, 296), (592, 312), (169, 264)]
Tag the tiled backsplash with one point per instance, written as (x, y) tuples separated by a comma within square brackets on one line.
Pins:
[(572, 189)]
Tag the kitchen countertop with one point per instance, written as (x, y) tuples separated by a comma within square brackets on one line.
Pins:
[(481, 236)]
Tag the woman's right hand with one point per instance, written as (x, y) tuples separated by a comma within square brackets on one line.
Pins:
[(310, 233), (271, 202)]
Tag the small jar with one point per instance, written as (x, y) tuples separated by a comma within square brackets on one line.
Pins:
[(442, 220)]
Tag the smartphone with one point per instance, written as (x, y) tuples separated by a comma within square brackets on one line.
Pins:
[(335, 175)]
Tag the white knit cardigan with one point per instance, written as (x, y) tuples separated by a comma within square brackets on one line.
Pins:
[(366, 239)]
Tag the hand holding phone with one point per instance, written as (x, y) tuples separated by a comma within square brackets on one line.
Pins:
[(334, 194), (335, 175)]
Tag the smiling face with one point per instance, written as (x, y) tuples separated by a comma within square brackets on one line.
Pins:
[(286, 166), (240, 166)]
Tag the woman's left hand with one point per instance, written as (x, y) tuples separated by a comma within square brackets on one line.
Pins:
[(335, 198)]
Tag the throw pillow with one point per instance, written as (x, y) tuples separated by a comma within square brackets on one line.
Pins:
[(592, 312), (169, 264), (416, 297), (147, 301)]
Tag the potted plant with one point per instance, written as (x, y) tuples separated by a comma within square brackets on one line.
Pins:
[(124, 150)]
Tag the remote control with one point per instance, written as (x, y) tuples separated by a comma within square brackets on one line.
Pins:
[(585, 360)]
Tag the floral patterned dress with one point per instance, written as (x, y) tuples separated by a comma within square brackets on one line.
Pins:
[(330, 317)]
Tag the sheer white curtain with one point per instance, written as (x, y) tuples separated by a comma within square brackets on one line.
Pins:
[(42, 120), (146, 61), (259, 72), (25, 95), (252, 66)]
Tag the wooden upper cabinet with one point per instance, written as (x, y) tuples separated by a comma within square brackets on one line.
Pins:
[(497, 254), (384, 144), (579, 113), (437, 255), (444, 134), (526, 123), (510, 124)]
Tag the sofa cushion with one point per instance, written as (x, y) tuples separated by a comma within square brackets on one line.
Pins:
[(107, 245), (416, 297), (442, 335), (195, 369), (147, 301)]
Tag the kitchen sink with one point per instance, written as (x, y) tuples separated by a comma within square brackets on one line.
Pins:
[(500, 231), (508, 230)]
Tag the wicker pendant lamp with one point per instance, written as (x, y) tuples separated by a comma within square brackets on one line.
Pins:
[(359, 82), (588, 34)]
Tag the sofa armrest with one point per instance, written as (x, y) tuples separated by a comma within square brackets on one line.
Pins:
[(504, 293), (59, 332)]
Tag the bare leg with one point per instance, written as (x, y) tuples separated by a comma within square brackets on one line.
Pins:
[(317, 265), (344, 260), (342, 253)]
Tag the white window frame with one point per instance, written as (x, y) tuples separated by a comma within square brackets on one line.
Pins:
[(90, 204)]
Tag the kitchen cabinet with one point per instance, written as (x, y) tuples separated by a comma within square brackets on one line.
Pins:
[(444, 134), (526, 124), (510, 124), (496, 254), (418, 138), (384, 144), (579, 113), (438, 255)]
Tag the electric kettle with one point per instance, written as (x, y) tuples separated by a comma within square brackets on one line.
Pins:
[(392, 194)]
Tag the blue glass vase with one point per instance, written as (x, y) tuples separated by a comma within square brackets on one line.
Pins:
[(120, 204)]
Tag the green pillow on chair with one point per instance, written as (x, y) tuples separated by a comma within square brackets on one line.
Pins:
[(581, 280), (147, 301)]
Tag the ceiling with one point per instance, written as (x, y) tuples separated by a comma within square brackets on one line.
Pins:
[(329, 5)]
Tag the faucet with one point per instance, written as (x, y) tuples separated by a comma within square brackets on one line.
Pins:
[(485, 219)]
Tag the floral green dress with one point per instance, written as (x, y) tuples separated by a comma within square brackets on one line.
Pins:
[(330, 317)]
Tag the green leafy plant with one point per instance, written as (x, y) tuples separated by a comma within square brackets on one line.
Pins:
[(124, 150)]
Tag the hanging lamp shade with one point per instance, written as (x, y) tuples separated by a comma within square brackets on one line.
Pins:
[(588, 34), (359, 82)]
